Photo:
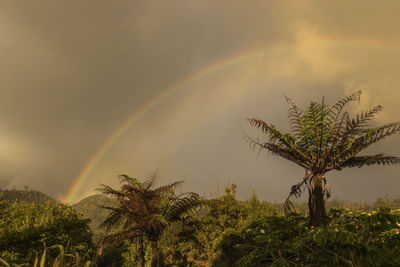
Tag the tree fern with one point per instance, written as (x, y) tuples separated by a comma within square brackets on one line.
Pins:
[(145, 211), (324, 138)]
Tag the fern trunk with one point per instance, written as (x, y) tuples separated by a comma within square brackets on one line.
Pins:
[(140, 252), (316, 202), (154, 258)]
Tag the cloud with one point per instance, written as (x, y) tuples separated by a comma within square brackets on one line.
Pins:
[(73, 72)]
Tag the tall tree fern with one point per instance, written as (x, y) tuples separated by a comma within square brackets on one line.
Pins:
[(324, 138)]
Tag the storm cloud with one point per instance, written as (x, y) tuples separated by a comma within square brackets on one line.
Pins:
[(72, 72)]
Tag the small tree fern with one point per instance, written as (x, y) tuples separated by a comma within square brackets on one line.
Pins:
[(143, 211), (324, 138)]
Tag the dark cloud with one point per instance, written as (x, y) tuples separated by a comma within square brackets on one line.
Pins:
[(72, 72)]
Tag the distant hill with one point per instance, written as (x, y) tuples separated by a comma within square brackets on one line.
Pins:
[(87, 206), (90, 210), (27, 195)]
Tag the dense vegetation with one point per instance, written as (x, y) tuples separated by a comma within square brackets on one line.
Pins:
[(155, 226), (230, 232), (251, 233), (49, 231), (225, 232)]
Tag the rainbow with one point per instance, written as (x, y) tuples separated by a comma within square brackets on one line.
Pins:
[(209, 70), (138, 114)]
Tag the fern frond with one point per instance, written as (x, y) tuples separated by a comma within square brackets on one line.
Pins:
[(169, 187), (132, 189), (117, 238), (355, 125), (369, 137), (336, 133), (294, 117), (337, 108), (184, 208), (335, 112), (107, 190), (150, 181), (123, 178), (283, 152), (112, 220), (361, 161), (295, 191), (285, 140)]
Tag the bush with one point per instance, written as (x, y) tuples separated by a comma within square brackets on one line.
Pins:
[(26, 228), (352, 238)]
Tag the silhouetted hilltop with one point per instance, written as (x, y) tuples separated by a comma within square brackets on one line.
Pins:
[(27, 195), (90, 209)]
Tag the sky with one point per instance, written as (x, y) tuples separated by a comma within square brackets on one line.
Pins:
[(73, 72)]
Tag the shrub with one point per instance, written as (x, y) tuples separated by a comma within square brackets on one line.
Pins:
[(26, 228)]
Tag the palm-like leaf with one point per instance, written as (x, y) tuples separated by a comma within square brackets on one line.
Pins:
[(183, 208), (378, 159), (150, 181), (294, 117), (123, 178), (169, 188), (107, 190), (113, 219), (323, 137), (276, 137)]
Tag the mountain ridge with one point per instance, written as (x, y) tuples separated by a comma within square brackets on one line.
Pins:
[(27, 195)]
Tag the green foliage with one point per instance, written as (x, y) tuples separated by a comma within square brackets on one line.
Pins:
[(124, 255), (267, 240), (113, 256), (26, 195), (225, 232), (354, 239), (351, 239), (203, 240), (26, 227), (230, 232)]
